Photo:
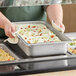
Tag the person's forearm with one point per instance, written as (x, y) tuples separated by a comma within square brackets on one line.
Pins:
[(55, 12), (7, 26), (3, 21)]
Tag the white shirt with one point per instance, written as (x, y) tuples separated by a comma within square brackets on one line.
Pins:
[(29, 2), (56, 1), (36, 2)]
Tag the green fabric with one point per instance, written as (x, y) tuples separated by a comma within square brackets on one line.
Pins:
[(29, 13), (24, 13)]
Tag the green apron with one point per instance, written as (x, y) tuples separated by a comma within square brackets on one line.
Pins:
[(29, 13)]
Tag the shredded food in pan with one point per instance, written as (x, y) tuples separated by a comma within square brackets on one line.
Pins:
[(72, 50), (37, 33), (73, 43), (4, 56)]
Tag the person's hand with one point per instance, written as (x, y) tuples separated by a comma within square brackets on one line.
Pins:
[(6, 24), (58, 25), (55, 13), (9, 29)]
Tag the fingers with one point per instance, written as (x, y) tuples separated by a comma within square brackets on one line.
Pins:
[(62, 27), (13, 28), (8, 30), (60, 24)]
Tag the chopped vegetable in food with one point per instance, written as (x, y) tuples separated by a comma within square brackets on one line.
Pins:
[(72, 50), (73, 43), (37, 33), (74, 39)]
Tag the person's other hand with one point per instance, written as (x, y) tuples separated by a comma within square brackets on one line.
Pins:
[(9, 29), (6, 24), (58, 25)]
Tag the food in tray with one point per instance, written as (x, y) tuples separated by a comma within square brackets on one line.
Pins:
[(73, 43), (37, 33), (72, 47), (4, 56), (74, 39), (72, 50)]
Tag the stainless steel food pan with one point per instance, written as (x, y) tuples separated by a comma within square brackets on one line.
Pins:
[(6, 49), (7, 68), (42, 49)]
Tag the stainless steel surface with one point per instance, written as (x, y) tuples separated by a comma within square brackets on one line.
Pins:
[(46, 65), (71, 35), (6, 49), (42, 49), (16, 3), (7, 68)]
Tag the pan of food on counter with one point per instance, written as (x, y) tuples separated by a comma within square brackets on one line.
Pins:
[(38, 38), (72, 45), (7, 55)]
